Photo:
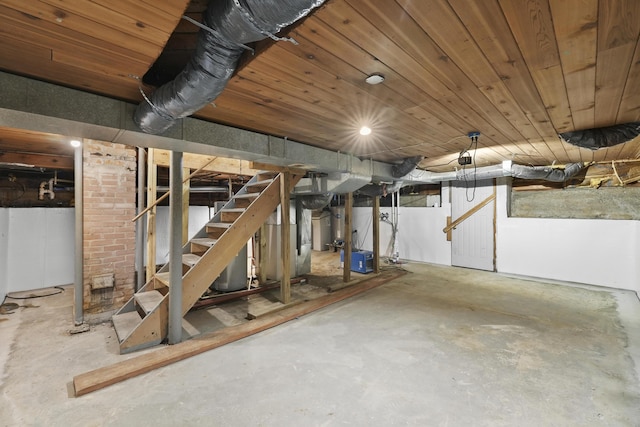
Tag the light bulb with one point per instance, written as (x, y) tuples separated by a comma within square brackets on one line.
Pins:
[(365, 130)]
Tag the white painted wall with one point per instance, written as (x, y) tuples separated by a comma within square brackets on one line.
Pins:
[(40, 248), (592, 251), (198, 217), (420, 236), (4, 253)]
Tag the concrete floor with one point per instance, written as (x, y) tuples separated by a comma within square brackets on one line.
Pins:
[(438, 346)]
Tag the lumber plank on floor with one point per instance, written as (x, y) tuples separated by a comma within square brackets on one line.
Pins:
[(120, 371)]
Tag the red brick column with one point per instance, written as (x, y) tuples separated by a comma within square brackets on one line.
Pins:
[(109, 178)]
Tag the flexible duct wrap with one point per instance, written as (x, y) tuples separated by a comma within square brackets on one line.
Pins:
[(234, 23), (373, 190), (545, 172), (316, 201)]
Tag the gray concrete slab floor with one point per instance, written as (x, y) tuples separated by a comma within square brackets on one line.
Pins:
[(440, 346)]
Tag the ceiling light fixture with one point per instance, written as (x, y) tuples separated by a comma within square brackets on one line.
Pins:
[(365, 130), (374, 79), (75, 143)]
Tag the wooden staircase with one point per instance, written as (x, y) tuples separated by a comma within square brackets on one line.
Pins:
[(143, 321)]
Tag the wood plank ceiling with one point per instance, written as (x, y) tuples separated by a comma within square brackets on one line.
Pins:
[(517, 71)]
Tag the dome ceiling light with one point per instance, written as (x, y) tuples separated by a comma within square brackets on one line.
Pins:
[(374, 79)]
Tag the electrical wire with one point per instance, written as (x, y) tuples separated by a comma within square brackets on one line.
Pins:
[(474, 142)]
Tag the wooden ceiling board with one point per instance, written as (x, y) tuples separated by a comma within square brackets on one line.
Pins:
[(420, 46), (517, 71), (489, 29), (629, 110), (448, 32), (576, 33), (357, 28), (618, 31)]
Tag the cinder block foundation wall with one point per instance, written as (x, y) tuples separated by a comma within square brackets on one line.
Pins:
[(109, 179)]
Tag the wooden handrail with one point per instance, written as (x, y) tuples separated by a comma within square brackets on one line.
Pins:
[(165, 195), (468, 213)]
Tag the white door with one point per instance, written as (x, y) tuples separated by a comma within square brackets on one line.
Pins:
[(472, 242)]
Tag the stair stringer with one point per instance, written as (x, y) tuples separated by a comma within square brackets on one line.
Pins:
[(153, 328)]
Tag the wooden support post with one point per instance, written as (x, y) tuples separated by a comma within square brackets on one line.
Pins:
[(262, 255), (376, 234), (285, 232), (186, 187), (348, 211), (152, 182)]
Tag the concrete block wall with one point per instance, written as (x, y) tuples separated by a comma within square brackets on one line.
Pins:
[(109, 197)]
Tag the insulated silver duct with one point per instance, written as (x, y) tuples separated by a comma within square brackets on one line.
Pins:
[(316, 201), (547, 173), (231, 25), (407, 165), (507, 168)]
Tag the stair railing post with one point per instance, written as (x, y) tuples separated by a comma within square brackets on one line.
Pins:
[(175, 247)]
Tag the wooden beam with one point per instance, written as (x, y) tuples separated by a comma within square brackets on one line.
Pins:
[(348, 211), (120, 371), (468, 213), (38, 160), (262, 254), (165, 195), (269, 167), (209, 163), (152, 182), (186, 186), (376, 234), (285, 234)]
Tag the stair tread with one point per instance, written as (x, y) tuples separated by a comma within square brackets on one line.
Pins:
[(124, 323), (149, 300), (190, 259), (164, 277), (204, 241), (233, 210), (220, 224), (246, 196), (262, 182)]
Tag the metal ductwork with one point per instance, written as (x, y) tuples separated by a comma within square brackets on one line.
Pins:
[(373, 190), (231, 25), (407, 165)]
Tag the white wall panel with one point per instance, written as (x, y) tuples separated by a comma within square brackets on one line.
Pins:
[(420, 236), (198, 217), (40, 248), (597, 252), (59, 259)]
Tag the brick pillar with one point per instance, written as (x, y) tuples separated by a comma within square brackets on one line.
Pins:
[(109, 178)]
